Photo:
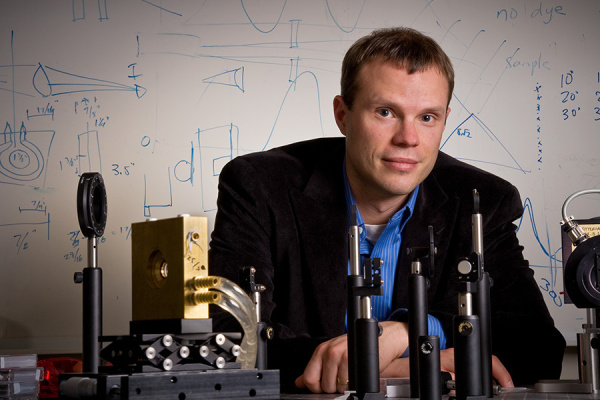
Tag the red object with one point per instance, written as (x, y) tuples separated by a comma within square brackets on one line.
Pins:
[(52, 368)]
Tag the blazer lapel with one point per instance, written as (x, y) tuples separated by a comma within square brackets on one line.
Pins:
[(433, 208), (320, 210)]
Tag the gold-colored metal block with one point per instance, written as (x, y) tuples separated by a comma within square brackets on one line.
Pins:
[(166, 255)]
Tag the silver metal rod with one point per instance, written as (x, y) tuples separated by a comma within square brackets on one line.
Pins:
[(591, 317), (93, 252), (477, 228), (354, 250), (465, 304), (256, 301), (415, 268), (365, 307)]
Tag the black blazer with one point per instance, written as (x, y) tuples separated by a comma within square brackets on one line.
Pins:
[(283, 211)]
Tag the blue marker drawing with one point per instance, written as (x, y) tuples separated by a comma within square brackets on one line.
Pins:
[(22, 156), (247, 4), (89, 156), (349, 27), (47, 111), (548, 285), (45, 222), (217, 146), (19, 158), (291, 88), (528, 215), (482, 70), (161, 8), (148, 206), (49, 81), (234, 78), (478, 128), (78, 7), (186, 167), (294, 26), (37, 206)]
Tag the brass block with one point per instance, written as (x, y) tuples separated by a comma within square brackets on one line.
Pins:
[(166, 255)]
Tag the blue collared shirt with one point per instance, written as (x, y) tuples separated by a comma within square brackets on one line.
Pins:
[(386, 248)]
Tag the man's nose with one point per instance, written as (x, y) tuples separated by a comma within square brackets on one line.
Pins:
[(406, 134)]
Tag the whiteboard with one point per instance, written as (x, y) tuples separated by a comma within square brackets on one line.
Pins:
[(158, 95)]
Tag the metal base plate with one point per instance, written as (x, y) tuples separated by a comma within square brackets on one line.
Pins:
[(189, 385), (222, 384), (563, 386)]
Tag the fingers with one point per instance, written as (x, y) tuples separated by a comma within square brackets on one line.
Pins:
[(342, 379), (335, 365), (311, 378), (327, 370), (500, 373)]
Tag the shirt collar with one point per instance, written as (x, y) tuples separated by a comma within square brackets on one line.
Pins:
[(401, 215)]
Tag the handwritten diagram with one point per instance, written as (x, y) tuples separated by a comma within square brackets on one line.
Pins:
[(20, 159), (49, 81), (158, 96)]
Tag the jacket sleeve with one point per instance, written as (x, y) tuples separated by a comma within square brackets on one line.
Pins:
[(524, 337), (242, 236)]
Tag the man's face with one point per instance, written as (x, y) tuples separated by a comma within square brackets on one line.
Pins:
[(393, 131)]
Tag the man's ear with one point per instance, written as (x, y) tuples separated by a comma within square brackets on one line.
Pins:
[(340, 112)]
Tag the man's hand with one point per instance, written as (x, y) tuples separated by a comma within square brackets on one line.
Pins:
[(400, 368), (327, 370)]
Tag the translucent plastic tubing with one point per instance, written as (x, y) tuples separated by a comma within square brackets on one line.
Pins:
[(234, 300)]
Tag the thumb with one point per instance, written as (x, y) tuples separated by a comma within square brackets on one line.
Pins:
[(300, 382)]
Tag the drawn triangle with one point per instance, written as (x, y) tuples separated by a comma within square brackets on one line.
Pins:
[(233, 78), (48, 81), (472, 141)]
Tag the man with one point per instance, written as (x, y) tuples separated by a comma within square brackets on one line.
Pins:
[(286, 212)]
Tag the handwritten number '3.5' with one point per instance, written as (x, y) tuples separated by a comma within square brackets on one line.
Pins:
[(116, 168)]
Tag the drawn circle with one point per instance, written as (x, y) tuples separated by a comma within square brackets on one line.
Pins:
[(19, 159)]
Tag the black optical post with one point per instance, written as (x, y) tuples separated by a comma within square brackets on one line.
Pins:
[(424, 350), (481, 304), (472, 332), (91, 211), (363, 329)]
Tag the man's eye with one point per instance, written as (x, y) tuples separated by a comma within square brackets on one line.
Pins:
[(384, 112), (427, 118)]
